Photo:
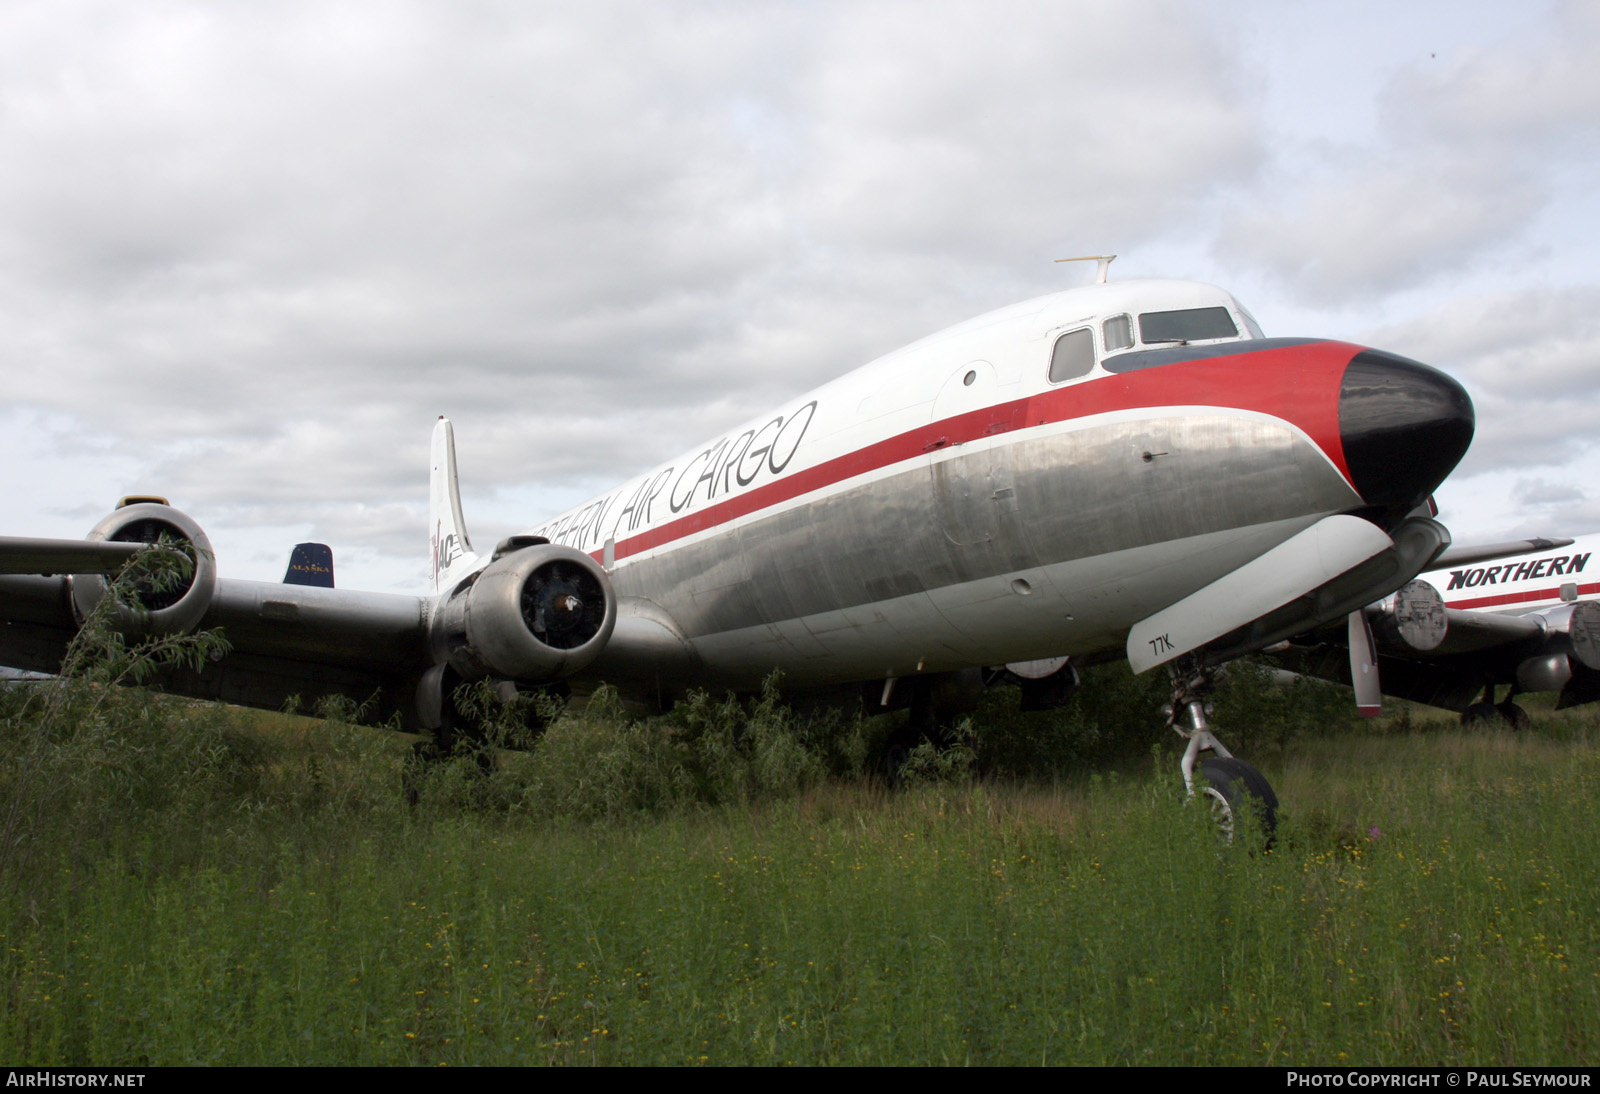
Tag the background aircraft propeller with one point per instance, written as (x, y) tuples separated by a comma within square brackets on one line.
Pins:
[(1364, 666)]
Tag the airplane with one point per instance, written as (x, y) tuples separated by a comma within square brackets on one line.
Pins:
[(1122, 469), (1522, 614)]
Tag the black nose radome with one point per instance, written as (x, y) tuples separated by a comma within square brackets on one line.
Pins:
[(1404, 427)]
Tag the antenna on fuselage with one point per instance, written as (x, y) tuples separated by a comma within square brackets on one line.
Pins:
[(1100, 273)]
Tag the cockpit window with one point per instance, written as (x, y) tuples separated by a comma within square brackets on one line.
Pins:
[(1073, 356), (1118, 331), (1187, 325)]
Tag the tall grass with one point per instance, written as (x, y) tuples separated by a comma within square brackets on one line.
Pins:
[(207, 886)]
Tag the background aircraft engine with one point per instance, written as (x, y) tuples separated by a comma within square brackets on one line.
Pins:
[(1572, 649), (1412, 618), (174, 610), (540, 613)]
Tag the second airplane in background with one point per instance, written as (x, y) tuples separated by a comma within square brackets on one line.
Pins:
[(1517, 615)]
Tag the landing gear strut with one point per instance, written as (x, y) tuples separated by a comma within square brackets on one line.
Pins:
[(1231, 784), (1486, 710), (472, 720), (934, 704)]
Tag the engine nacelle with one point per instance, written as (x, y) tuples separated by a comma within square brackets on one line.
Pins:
[(539, 613), (1413, 618), (1572, 647), (173, 611)]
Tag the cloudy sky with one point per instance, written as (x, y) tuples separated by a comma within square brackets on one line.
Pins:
[(249, 252)]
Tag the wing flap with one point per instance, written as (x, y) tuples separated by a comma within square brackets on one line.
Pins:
[(279, 683)]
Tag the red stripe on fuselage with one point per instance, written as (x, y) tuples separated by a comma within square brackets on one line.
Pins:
[(1531, 596), (1299, 384)]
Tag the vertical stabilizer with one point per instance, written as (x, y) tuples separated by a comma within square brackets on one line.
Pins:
[(451, 549), (310, 564)]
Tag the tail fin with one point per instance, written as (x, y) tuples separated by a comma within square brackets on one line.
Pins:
[(310, 564), (452, 550)]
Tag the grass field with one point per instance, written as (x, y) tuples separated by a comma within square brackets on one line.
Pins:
[(189, 885)]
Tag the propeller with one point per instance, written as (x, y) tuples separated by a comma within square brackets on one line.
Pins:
[(1364, 666)]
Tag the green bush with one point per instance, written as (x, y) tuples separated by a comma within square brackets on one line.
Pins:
[(1111, 719), (598, 761), (1258, 708), (1115, 717), (82, 755)]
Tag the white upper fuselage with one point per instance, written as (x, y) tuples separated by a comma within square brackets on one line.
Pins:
[(1008, 351), (1523, 583)]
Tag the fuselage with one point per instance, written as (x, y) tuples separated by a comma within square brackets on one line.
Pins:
[(1027, 484), (1523, 583)]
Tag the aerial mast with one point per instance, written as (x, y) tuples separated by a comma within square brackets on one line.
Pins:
[(1103, 268)]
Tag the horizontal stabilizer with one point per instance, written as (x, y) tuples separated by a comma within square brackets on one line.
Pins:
[(310, 564), (1300, 564), (64, 556)]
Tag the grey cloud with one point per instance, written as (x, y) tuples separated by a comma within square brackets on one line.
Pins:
[(1541, 506), (1541, 492), (1536, 435), (1530, 360), (1387, 224), (1542, 342), (1461, 163), (1016, 123), (1535, 94), (257, 251)]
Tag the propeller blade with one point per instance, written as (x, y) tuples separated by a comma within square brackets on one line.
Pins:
[(1364, 667)]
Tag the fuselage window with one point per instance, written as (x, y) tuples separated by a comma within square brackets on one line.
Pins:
[(1188, 325), (1073, 356)]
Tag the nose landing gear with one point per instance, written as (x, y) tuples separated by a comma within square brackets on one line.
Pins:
[(1231, 784)]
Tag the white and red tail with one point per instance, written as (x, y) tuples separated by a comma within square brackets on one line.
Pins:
[(451, 550)]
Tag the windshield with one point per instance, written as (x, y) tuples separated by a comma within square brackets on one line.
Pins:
[(1187, 325)]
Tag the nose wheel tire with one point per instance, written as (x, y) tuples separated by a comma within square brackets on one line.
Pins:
[(1233, 786)]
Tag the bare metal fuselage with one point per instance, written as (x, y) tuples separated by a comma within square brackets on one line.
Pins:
[(1004, 551)]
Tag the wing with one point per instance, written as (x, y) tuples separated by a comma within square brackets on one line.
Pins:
[(531, 612), (288, 642), (1484, 552), (306, 642)]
